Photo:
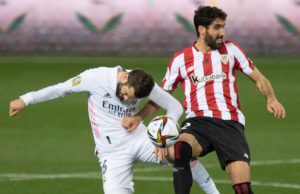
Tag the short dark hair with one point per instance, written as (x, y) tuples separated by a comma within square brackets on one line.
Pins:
[(205, 15), (141, 81)]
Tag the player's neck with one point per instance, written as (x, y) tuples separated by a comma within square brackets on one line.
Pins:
[(202, 46)]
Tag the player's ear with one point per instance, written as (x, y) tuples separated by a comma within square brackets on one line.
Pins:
[(126, 77), (201, 30)]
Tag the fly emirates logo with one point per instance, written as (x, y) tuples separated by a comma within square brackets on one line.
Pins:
[(197, 80), (118, 110)]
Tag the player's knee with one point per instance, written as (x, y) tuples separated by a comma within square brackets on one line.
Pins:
[(244, 188), (183, 152)]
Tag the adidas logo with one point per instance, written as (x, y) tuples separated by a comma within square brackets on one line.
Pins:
[(176, 169), (107, 95)]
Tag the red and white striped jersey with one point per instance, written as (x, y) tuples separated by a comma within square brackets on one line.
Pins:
[(209, 80)]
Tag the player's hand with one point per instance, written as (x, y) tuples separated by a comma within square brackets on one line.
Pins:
[(131, 123), (276, 108), (160, 153), (16, 106)]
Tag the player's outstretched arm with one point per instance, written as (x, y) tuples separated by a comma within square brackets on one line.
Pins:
[(16, 106), (265, 87)]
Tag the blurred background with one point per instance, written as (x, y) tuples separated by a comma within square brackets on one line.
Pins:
[(146, 27), (48, 148)]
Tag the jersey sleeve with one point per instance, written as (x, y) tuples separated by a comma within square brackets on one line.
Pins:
[(242, 61), (84, 82), (166, 101), (172, 76)]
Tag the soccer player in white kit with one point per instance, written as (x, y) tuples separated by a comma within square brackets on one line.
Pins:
[(114, 94)]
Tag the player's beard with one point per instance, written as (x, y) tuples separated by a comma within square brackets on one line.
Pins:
[(130, 101), (118, 91), (211, 42)]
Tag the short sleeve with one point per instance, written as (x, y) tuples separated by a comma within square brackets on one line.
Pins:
[(173, 76)]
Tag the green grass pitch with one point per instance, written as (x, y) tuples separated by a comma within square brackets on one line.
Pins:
[(48, 148)]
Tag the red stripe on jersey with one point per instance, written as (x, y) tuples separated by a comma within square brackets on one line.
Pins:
[(226, 88), (237, 64), (209, 87), (163, 82), (183, 89), (235, 86), (174, 85), (251, 65), (169, 70), (189, 64)]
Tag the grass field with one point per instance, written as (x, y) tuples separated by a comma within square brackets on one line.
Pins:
[(48, 148)]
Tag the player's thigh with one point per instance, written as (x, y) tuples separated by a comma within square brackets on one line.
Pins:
[(143, 148), (144, 151), (116, 171), (230, 143)]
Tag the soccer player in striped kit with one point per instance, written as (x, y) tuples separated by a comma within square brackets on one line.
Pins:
[(214, 121), (207, 73), (113, 94)]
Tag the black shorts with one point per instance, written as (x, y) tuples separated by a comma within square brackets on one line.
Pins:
[(226, 137)]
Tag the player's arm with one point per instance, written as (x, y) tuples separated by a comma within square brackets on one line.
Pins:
[(77, 84), (158, 98), (166, 101), (149, 109), (45, 94), (265, 87), (245, 65), (131, 123)]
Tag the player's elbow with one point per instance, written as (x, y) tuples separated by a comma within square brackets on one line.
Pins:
[(180, 109), (177, 110)]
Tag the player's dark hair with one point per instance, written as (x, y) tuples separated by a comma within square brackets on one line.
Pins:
[(205, 15), (141, 81)]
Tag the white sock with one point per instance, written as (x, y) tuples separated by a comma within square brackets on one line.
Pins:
[(202, 178)]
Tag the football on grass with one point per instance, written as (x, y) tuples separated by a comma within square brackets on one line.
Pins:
[(163, 131)]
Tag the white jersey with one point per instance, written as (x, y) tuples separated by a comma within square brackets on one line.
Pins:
[(106, 111)]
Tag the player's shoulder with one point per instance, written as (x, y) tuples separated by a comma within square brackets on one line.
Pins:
[(98, 74), (231, 44), (91, 72), (180, 57), (183, 51), (99, 70)]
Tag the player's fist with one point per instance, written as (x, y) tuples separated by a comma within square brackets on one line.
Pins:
[(160, 153), (16, 106), (131, 123)]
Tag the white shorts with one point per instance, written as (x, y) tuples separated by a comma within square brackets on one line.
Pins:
[(117, 166)]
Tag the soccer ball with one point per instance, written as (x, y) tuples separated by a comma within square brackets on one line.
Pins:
[(163, 131)]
